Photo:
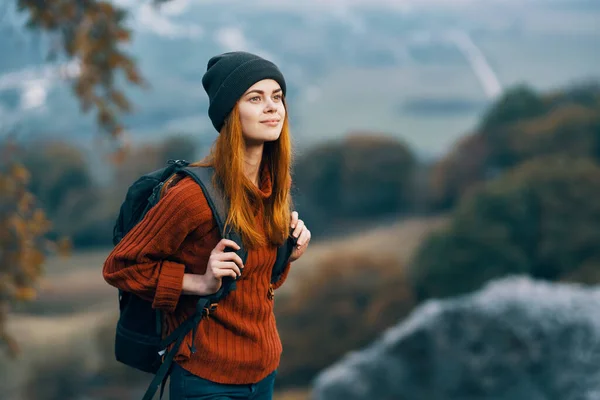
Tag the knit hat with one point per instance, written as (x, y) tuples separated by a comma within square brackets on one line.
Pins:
[(229, 75)]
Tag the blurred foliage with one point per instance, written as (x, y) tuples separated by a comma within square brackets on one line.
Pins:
[(366, 175), (538, 219), (521, 126), (59, 174), (90, 32), (64, 183), (134, 161), (23, 245), (516, 104), (96, 224), (455, 174), (47, 193), (344, 304)]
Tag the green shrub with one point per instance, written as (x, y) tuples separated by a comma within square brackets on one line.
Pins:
[(539, 219), (521, 126), (517, 103), (361, 177)]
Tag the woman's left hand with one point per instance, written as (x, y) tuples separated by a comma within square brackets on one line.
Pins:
[(301, 232)]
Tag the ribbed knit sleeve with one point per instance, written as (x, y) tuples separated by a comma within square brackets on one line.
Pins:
[(141, 263)]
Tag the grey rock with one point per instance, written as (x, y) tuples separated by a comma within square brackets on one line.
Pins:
[(515, 339)]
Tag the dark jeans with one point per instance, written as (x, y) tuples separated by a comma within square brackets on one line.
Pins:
[(186, 386)]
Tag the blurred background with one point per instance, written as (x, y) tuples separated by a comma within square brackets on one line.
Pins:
[(446, 162)]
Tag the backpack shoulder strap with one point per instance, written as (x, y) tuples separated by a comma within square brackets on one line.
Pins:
[(283, 255), (204, 176), (217, 202)]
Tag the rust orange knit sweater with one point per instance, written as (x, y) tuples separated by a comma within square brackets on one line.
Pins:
[(238, 343)]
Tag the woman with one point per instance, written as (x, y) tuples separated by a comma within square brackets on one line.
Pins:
[(176, 254)]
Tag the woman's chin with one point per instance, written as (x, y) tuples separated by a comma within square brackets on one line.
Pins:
[(271, 136), (258, 140)]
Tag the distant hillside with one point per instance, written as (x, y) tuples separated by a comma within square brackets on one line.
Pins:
[(423, 71)]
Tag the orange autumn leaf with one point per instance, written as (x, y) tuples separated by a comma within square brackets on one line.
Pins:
[(20, 174), (25, 294)]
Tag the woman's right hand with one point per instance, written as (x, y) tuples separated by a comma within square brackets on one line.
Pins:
[(221, 263)]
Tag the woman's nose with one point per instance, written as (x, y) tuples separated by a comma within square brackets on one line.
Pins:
[(270, 105)]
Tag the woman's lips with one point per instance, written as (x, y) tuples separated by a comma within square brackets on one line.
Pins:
[(271, 122)]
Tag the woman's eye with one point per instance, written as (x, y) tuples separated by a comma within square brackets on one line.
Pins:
[(278, 97), (255, 98)]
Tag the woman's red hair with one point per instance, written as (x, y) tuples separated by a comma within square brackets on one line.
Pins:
[(227, 158)]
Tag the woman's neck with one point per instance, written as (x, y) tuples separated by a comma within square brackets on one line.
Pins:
[(252, 160)]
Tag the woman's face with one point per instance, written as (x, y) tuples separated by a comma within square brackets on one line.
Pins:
[(262, 112)]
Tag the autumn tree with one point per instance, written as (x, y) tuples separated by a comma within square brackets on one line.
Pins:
[(23, 245), (91, 33)]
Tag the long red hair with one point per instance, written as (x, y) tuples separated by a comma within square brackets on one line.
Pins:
[(227, 158)]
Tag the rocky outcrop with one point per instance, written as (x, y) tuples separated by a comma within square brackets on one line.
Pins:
[(515, 339)]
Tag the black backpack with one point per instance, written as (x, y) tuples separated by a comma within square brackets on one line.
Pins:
[(139, 342)]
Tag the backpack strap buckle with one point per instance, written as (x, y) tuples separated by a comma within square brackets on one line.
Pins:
[(271, 292), (178, 163), (209, 309)]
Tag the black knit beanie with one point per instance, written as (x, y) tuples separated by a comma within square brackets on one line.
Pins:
[(229, 75)]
